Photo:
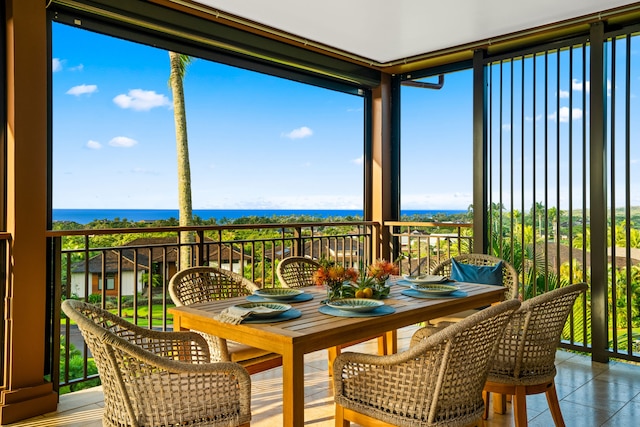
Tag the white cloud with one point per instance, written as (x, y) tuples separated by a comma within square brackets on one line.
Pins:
[(576, 114), (453, 200), (302, 132), (359, 160), (56, 65), (122, 141), (82, 89), (506, 126), (564, 94), (94, 145), (141, 100), (578, 85), (77, 68)]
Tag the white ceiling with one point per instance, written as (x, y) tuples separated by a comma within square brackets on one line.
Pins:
[(385, 31)]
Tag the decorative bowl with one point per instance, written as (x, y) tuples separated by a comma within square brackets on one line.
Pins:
[(424, 278), (434, 288), (264, 310), (278, 293), (355, 304)]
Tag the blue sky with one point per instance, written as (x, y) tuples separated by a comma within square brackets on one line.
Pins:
[(255, 141), (261, 142)]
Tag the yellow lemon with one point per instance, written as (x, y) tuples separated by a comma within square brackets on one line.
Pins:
[(359, 293), (367, 292)]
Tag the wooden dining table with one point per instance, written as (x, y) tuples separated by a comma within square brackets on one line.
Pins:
[(314, 330)]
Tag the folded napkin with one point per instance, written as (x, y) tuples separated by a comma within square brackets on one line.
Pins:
[(436, 279), (235, 314)]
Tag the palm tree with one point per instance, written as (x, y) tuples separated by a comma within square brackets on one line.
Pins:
[(179, 65), (538, 210)]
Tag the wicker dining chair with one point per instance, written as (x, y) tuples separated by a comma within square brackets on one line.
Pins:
[(509, 279), (525, 361), (424, 266), (297, 272), (202, 284), (436, 382), (509, 273), (156, 378)]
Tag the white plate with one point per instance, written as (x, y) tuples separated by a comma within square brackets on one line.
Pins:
[(424, 278), (434, 288), (264, 310), (355, 304), (278, 293)]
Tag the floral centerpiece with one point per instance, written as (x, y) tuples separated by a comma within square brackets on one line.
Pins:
[(334, 277), (344, 282)]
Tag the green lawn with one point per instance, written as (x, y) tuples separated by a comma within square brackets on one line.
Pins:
[(143, 312)]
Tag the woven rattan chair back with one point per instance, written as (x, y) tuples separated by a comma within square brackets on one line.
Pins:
[(526, 353), (202, 284), (296, 271), (154, 378), (437, 382), (509, 274)]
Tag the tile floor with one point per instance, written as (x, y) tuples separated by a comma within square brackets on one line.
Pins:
[(591, 394)]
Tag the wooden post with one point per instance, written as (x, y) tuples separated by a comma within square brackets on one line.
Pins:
[(25, 393), (381, 165)]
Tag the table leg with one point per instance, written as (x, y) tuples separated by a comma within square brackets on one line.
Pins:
[(293, 389), (176, 323), (392, 342)]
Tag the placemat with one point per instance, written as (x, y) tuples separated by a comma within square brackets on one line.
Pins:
[(378, 311), (287, 315), (298, 298), (417, 294)]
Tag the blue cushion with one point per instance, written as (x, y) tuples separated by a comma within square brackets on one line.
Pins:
[(488, 275)]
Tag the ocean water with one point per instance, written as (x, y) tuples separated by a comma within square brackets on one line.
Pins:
[(85, 216)]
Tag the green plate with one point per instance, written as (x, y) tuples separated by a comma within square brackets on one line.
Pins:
[(434, 289), (359, 305), (424, 278), (278, 293)]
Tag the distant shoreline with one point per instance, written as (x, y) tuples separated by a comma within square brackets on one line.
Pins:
[(85, 216)]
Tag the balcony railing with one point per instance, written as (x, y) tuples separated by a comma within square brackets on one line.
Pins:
[(422, 245), (131, 278)]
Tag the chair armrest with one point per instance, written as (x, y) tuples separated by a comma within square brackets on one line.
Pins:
[(141, 362), (365, 370), (388, 383), (427, 331), (170, 387), (177, 345)]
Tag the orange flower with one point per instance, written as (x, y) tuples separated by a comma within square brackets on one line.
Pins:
[(382, 269), (334, 275)]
